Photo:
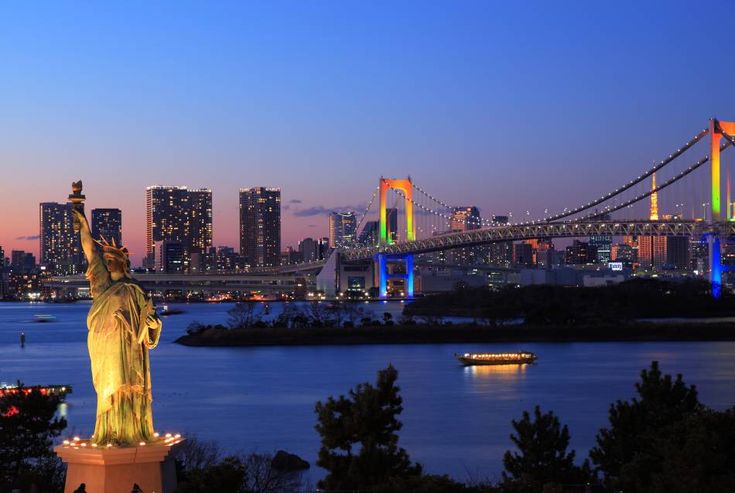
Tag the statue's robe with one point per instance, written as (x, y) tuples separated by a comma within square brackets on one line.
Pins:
[(118, 342)]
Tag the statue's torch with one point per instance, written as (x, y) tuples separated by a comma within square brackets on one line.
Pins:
[(77, 200)]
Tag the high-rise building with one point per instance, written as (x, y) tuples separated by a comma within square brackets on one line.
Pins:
[(260, 226), (200, 220), (603, 245), (465, 218), (623, 252), (107, 223), (227, 259), (60, 246), (169, 256), (523, 254), (545, 253), (179, 215), (22, 262), (323, 248), (309, 250), (342, 229), (580, 253), (369, 234), (500, 254), (677, 252)]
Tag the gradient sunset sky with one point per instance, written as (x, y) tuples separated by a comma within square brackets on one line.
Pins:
[(505, 105)]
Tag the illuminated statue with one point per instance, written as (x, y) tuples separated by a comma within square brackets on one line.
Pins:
[(123, 326)]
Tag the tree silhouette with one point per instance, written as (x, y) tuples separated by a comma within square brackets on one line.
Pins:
[(629, 451), (542, 456), (28, 425), (359, 436)]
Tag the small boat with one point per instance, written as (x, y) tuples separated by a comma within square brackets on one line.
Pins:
[(62, 390), (166, 311), (518, 358), (43, 318)]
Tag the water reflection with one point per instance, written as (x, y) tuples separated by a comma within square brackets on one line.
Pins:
[(497, 372)]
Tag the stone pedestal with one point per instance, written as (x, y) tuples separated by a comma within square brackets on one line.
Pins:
[(116, 469)]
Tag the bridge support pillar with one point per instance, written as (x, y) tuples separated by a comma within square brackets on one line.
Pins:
[(385, 274), (715, 264)]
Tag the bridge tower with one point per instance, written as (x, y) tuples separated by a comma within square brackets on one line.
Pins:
[(385, 262), (716, 130)]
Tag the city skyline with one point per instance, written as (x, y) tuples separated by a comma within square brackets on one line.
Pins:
[(238, 106)]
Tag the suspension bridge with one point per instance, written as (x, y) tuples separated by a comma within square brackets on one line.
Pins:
[(426, 220)]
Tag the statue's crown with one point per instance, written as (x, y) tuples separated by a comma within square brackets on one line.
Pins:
[(112, 248)]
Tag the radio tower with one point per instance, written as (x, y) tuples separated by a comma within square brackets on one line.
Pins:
[(654, 200)]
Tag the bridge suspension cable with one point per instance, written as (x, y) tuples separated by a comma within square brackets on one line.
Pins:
[(365, 213), (631, 183), (673, 179), (481, 222)]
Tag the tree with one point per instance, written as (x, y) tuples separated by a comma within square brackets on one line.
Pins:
[(201, 469), (243, 315), (359, 436), (542, 456), (28, 425), (629, 452)]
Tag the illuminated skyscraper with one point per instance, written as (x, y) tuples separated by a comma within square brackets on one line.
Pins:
[(342, 229), (60, 246), (465, 218), (178, 215), (107, 223), (199, 231), (260, 226)]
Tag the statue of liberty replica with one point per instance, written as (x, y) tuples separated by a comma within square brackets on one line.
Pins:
[(123, 327)]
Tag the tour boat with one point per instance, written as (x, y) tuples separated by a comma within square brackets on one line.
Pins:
[(62, 390), (518, 358)]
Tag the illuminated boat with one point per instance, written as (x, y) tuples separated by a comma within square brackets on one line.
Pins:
[(518, 358), (44, 389)]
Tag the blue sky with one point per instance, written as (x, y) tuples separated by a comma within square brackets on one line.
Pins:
[(504, 105)]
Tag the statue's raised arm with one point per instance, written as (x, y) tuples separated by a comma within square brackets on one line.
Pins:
[(85, 234)]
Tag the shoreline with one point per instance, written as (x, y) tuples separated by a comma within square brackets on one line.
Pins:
[(464, 333)]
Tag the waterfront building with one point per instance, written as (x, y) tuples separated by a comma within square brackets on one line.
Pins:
[(107, 223), (545, 253), (677, 252), (227, 259), (580, 253), (260, 226), (622, 252), (652, 252), (342, 229), (169, 256), (465, 218), (60, 246), (22, 262), (324, 248), (603, 246), (500, 254), (699, 256), (179, 215), (523, 254), (370, 235), (309, 250)]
